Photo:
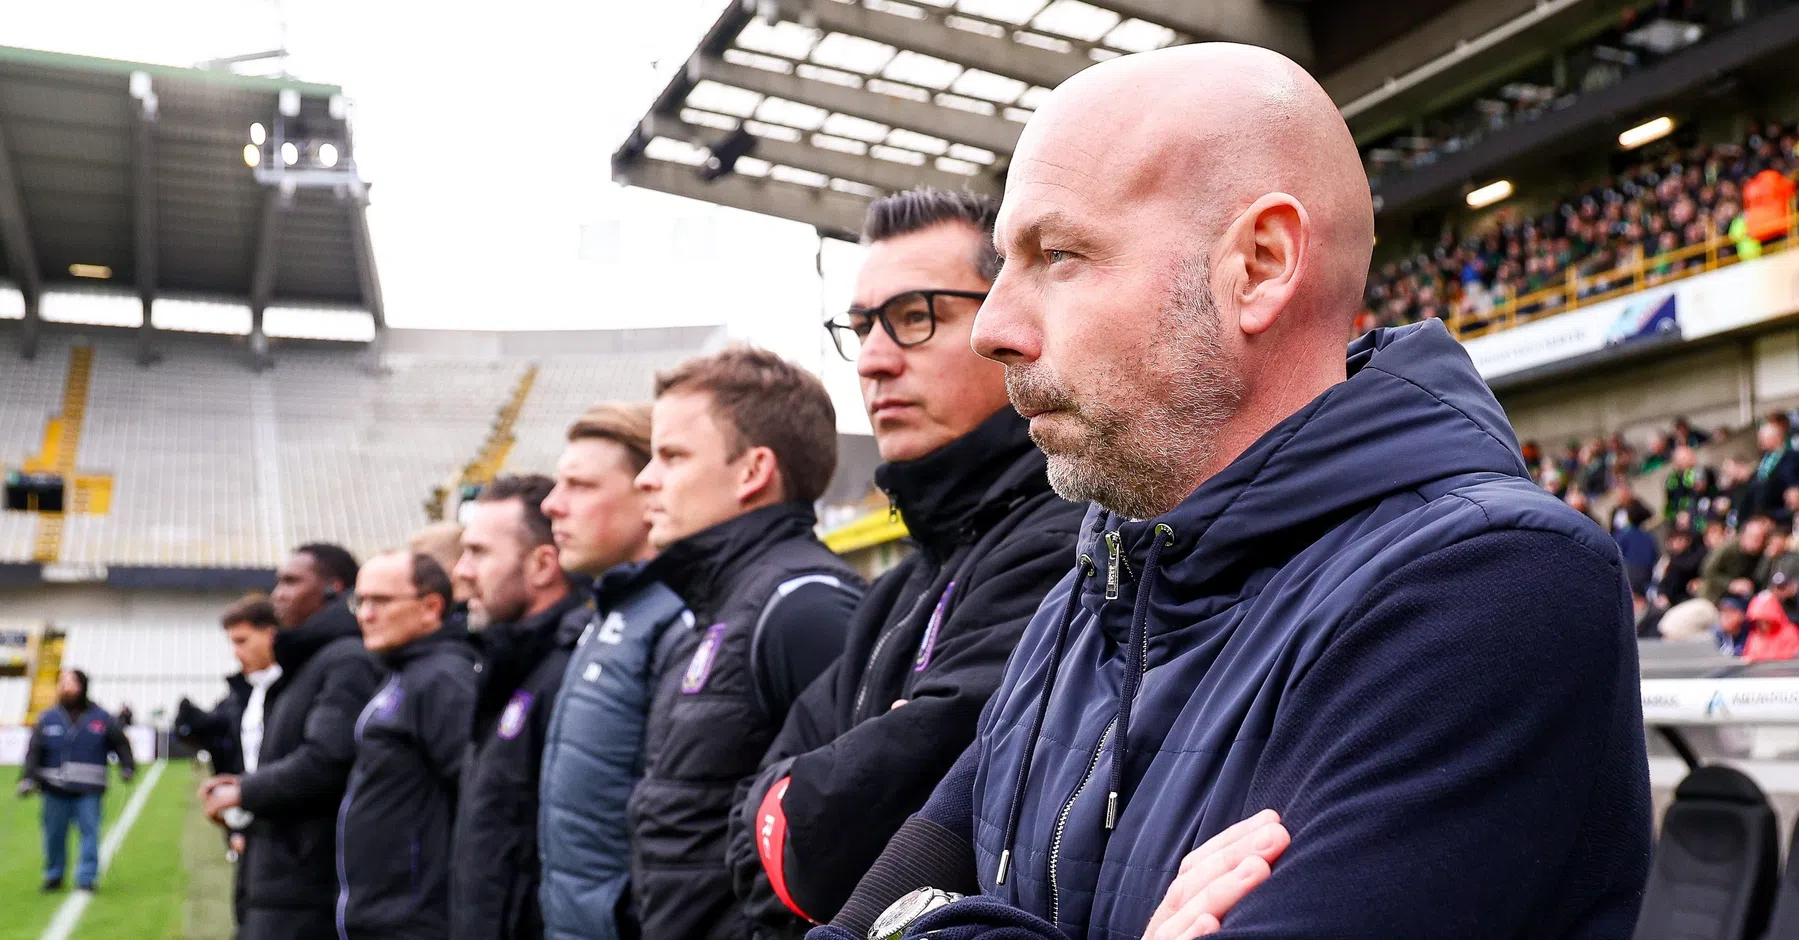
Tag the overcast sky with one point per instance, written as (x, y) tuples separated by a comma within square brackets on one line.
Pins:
[(486, 131)]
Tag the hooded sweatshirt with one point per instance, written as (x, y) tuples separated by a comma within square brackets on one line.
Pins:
[(1372, 622)]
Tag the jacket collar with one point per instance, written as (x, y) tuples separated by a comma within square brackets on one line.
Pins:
[(295, 646), (450, 637), (702, 565), (949, 496), (512, 650)]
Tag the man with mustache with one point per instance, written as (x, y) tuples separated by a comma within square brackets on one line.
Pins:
[(1318, 593)]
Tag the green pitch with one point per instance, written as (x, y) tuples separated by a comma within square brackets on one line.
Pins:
[(169, 880)]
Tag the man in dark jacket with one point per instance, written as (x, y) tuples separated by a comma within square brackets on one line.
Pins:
[(288, 871), (393, 828), (1776, 471), (250, 626), (533, 615), (864, 746), (65, 762), (1320, 586), (743, 443)]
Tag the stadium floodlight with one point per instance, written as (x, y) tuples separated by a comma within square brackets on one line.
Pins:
[(290, 153), (1489, 194), (99, 271), (252, 155), (327, 155), (1646, 132), (258, 133)]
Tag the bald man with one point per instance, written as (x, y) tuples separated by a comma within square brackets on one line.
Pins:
[(1327, 654)]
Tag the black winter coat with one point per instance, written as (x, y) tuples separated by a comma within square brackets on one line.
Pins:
[(217, 731), (393, 828), (494, 867), (308, 745), (935, 631)]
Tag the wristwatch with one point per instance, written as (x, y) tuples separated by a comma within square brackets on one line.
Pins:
[(904, 912)]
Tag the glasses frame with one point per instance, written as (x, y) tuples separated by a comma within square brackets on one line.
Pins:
[(879, 313)]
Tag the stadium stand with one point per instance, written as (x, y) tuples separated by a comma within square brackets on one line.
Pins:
[(218, 466), (149, 663)]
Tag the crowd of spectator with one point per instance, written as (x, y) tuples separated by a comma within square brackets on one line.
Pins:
[(1682, 198), (1718, 562)]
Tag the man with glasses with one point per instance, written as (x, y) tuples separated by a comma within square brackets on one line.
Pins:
[(393, 828), (864, 746)]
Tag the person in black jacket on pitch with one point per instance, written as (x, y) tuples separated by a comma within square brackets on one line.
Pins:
[(412, 738), (533, 615), (288, 872), (865, 745)]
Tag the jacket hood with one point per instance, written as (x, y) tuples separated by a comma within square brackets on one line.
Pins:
[(293, 647), (955, 492), (699, 566), (1413, 411)]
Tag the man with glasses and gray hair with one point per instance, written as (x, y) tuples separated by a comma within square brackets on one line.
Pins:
[(865, 745), (393, 828)]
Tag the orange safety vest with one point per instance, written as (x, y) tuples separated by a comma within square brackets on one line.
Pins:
[(1765, 200)]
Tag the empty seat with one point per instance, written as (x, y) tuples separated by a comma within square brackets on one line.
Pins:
[(1716, 862)]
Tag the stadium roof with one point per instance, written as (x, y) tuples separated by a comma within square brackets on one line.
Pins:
[(807, 109), (122, 177)]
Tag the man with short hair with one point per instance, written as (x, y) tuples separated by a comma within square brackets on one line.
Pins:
[(1739, 566), (742, 444), (864, 746), (442, 540), (288, 872), (533, 615), (1776, 471), (593, 745), (250, 626), (65, 762), (411, 740), (1328, 664)]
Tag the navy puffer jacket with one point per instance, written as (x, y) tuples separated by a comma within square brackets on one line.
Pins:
[(1370, 621)]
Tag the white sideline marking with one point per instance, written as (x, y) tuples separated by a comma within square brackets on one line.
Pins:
[(69, 914)]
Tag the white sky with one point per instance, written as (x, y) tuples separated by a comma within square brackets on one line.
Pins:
[(486, 131)]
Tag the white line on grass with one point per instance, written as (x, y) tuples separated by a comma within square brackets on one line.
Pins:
[(69, 914)]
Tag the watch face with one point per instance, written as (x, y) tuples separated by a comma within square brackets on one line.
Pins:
[(894, 921)]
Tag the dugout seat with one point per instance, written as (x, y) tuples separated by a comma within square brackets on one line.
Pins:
[(1716, 863), (1784, 925)]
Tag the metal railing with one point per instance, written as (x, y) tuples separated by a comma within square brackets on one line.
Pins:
[(1576, 291)]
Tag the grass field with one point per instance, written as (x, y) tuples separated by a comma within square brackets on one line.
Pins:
[(169, 880)]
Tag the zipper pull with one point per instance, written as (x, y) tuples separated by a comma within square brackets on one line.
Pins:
[(892, 511), (1005, 866), (1113, 553), (1111, 810)]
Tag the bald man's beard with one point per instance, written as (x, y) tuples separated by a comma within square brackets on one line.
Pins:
[(1137, 450)]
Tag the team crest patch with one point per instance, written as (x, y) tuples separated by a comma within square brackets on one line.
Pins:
[(512, 720), (701, 665)]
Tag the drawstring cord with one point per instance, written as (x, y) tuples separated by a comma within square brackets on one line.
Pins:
[(1136, 662), (1030, 743)]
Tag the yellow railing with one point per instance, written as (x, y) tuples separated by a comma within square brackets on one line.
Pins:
[(62, 445), (1577, 291)]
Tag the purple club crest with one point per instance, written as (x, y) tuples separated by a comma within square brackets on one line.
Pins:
[(701, 665), (512, 720)]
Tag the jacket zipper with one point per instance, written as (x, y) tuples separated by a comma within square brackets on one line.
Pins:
[(874, 655), (1055, 844), (1114, 551)]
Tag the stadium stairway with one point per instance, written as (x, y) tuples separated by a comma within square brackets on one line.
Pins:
[(498, 445), (62, 444), (48, 666)]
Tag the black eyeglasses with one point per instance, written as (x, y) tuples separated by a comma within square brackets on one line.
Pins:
[(909, 319)]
